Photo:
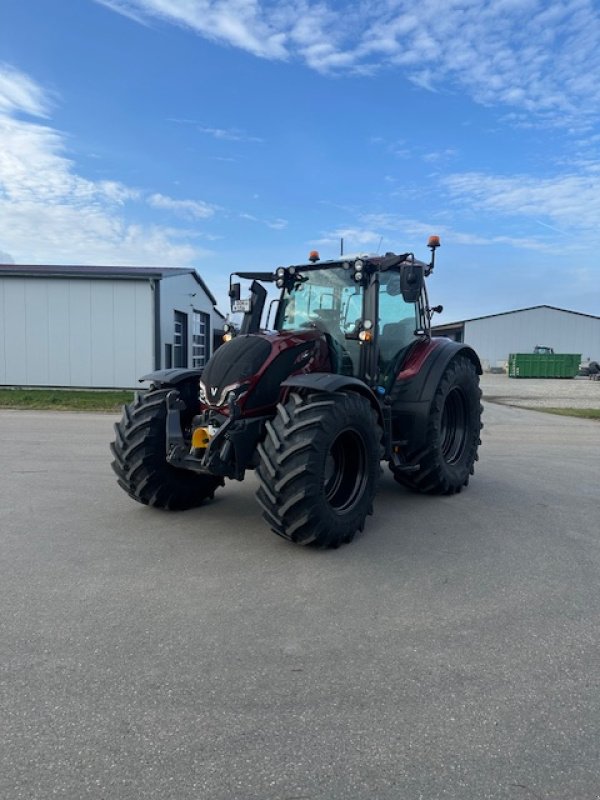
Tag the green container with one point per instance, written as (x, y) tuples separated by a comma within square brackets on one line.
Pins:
[(543, 365)]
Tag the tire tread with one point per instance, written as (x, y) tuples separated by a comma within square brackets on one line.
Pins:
[(433, 475), (288, 493)]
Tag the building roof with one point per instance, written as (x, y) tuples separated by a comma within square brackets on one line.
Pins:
[(515, 311), (105, 272)]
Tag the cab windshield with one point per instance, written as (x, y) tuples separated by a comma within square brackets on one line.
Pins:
[(329, 297), (331, 301)]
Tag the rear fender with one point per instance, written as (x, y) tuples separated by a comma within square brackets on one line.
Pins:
[(416, 385), (423, 369)]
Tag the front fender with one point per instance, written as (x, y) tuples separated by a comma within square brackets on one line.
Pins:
[(332, 382), (172, 377)]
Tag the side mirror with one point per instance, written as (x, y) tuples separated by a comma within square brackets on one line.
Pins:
[(411, 282), (235, 291)]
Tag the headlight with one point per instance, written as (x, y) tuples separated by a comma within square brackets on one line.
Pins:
[(217, 397), (203, 396)]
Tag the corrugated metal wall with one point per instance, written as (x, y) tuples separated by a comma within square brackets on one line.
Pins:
[(75, 332), (520, 331)]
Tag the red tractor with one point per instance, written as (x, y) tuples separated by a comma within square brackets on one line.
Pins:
[(348, 376)]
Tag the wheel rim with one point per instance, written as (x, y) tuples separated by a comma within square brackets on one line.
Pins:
[(454, 426), (345, 471)]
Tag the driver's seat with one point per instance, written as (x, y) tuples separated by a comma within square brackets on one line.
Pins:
[(328, 320)]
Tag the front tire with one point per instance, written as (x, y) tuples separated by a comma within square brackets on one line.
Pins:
[(454, 427), (319, 465), (140, 462)]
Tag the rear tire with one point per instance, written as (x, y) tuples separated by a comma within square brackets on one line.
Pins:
[(319, 466), (453, 434), (140, 462)]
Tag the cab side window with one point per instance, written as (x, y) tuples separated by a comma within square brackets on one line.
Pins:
[(397, 321)]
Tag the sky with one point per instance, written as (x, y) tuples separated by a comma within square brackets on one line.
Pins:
[(241, 134)]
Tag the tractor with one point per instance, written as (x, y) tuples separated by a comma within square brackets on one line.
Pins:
[(344, 376)]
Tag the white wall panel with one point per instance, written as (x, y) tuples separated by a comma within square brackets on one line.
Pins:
[(2, 335), (14, 332), (36, 332), (103, 334), (133, 331), (75, 332), (80, 345), (59, 332)]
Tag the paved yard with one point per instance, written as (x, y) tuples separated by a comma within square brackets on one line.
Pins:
[(452, 651), (573, 393)]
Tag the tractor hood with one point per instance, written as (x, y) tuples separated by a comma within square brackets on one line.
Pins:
[(253, 367), (233, 363)]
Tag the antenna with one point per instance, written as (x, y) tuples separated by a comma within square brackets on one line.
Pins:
[(342, 246), (379, 245)]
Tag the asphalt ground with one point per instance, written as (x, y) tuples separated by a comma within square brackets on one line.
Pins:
[(451, 651)]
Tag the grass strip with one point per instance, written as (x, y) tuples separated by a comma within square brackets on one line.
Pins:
[(584, 413), (64, 399)]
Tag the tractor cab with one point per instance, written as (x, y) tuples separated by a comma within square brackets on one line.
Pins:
[(368, 309), (366, 322)]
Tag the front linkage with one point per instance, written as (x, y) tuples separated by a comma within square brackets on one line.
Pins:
[(225, 450)]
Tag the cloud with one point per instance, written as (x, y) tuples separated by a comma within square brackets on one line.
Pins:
[(387, 231), (20, 94), (188, 208), (68, 234), (51, 213), (229, 134), (538, 58), (240, 23), (124, 9), (355, 239), (569, 201), (437, 156), (276, 224)]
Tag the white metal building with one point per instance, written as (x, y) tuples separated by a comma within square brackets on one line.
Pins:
[(101, 327), (495, 336)]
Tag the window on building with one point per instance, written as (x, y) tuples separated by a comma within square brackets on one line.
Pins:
[(200, 339), (180, 340)]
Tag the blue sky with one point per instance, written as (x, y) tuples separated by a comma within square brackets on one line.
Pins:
[(241, 134)]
